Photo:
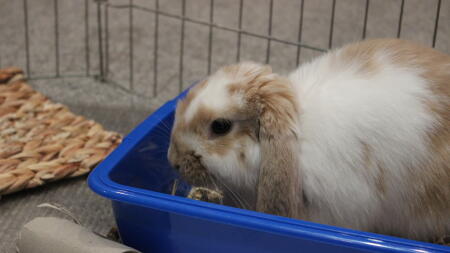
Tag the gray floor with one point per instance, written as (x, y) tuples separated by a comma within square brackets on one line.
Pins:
[(120, 107)]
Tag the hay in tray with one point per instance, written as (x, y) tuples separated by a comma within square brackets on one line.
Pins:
[(42, 141)]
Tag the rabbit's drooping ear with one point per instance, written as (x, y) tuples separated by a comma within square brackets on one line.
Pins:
[(275, 105)]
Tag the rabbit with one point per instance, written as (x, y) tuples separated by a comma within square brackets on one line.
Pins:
[(357, 138)]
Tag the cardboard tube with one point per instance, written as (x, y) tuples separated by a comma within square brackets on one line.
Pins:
[(50, 234)]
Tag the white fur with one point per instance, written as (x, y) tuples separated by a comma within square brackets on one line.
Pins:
[(343, 109)]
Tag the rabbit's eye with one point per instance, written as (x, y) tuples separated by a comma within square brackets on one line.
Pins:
[(221, 126)]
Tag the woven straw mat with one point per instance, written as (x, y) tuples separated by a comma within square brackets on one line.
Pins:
[(42, 141)]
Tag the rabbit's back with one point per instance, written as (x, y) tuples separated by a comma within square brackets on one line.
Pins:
[(375, 137)]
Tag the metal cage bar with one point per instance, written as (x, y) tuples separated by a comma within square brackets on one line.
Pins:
[(56, 16), (269, 32), (86, 38), (300, 28), (400, 19), (366, 14), (27, 41), (131, 44), (183, 14), (238, 50), (210, 37), (106, 13), (155, 51), (330, 38), (436, 22), (100, 40)]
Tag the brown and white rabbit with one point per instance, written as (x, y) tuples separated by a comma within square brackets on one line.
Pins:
[(357, 138)]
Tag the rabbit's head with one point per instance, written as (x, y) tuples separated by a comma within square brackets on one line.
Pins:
[(238, 129)]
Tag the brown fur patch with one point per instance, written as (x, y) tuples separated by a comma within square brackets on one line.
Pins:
[(370, 164), (434, 194), (380, 182), (231, 70), (242, 157), (193, 92), (221, 146), (201, 119), (432, 183), (235, 88)]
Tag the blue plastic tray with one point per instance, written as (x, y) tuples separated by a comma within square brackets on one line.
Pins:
[(138, 179)]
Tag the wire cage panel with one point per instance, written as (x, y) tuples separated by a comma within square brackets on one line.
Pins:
[(149, 47)]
